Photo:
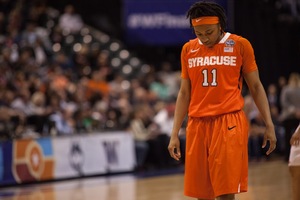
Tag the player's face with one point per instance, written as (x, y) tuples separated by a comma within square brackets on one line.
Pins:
[(209, 34)]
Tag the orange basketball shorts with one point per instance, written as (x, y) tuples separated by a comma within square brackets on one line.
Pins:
[(216, 156)]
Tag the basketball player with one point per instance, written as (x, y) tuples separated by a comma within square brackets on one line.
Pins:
[(214, 65), (294, 163)]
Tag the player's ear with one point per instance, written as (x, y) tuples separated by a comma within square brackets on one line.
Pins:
[(220, 28)]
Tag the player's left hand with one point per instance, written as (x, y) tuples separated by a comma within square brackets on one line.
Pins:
[(271, 137)]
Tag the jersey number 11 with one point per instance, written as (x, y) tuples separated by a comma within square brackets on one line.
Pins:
[(205, 78)]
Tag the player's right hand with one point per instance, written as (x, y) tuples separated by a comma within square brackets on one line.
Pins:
[(174, 148)]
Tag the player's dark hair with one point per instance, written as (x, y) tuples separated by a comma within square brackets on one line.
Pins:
[(201, 9)]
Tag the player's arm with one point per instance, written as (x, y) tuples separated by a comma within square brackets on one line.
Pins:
[(295, 140), (182, 104), (260, 98)]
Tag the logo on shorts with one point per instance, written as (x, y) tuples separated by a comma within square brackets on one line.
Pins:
[(230, 128)]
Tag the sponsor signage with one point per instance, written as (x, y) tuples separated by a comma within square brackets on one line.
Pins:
[(34, 160), (158, 22)]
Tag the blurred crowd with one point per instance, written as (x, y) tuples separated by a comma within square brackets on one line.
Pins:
[(287, 10), (49, 88), (284, 101)]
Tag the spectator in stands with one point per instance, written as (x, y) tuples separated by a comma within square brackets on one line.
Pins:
[(256, 135), (171, 79), (38, 112), (158, 87), (58, 81), (38, 13), (164, 118), (14, 21), (97, 85), (102, 60), (56, 35), (112, 121), (63, 122), (65, 63), (11, 40), (272, 95), (12, 121), (274, 102), (138, 93), (29, 35), (254, 142), (82, 63), (291, 6), (290, 102), (281, 83), (70, 21), (26, 61), (141, 136), (22, 100), (148, 143), (250, 107), (117, 87), (40, 53), (122, 102)]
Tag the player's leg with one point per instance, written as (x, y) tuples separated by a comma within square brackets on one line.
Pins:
[(228, 155), (226, 197), (197, 182), (295, 174), (294, 167)]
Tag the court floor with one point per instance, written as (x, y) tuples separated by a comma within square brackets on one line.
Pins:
[(267, 181)]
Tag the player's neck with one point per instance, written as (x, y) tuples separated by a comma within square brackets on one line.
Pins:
[(221, 36)]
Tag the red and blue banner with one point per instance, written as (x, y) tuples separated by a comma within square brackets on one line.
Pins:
[(33, 160)]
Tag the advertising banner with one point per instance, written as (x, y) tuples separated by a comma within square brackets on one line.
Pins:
[(77, 156), (32, 160), (159, 22), (93, 154), (119, 151), (6, 155)]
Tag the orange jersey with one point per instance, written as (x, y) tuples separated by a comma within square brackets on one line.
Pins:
[(216, 74)]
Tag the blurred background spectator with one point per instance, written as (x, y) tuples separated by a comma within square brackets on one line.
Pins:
[(290, 103)]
